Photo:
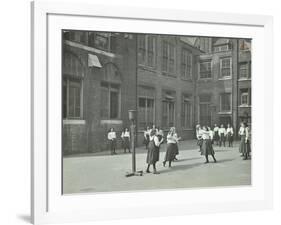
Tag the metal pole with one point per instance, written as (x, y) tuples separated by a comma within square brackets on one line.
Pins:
[(133, 147)]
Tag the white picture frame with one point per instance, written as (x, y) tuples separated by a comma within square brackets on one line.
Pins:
[(49, 206)]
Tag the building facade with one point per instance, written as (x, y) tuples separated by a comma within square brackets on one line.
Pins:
[(99, 70), (170, 81)]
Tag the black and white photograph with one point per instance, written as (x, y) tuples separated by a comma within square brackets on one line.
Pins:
[(151, 112)]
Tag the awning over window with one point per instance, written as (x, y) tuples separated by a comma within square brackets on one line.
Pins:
[(93, 60)]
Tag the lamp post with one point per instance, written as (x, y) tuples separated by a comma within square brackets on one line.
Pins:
[(132, 118)]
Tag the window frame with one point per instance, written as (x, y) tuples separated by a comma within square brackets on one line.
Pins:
[(211, 69), (184, 61), (230, 67), (169, 46), (66, 81), (109, 89), (168, 101), (185, 113), (230, 102), (146, 110), (146, 50)]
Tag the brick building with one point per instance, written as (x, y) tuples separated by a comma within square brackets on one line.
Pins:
[(99, 70), (170, 80)]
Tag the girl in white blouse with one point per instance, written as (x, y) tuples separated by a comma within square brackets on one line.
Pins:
[(222, 134), (111, 136), (229, 135), (126, 139)]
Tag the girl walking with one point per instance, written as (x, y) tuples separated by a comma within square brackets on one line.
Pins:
[(146, 135)]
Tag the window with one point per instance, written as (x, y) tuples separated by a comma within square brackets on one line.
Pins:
[(110, 101), (77, 36), (225, 102), (205, 70), (225, 67), (145, 112), (103, 41), (221, 48), (147, 50), (204, 110), (186, 64), (186, 115), (168, 57), (244, 71), (72, 89), (245, 97), (168, 112)]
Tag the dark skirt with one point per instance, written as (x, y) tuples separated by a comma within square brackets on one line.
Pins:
[(244, 147), (152, 153), (207, 148), (112, 144), (216, 136), (126, 143), (171, 151), (229, 137)]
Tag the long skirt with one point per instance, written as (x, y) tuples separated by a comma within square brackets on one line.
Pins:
[(244, 147), (126, 143), (171, 151), (216, 136), (112, 144), (152, 153), (146, 140), (207, 148), (229, 138)]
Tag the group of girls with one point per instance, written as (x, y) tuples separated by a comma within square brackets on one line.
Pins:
[(125, 136), (222, 134), (154, 138)]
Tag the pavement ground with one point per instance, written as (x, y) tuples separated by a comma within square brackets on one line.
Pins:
[(102, 172)]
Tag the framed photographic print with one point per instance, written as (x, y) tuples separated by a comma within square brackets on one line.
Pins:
[(142, 116)]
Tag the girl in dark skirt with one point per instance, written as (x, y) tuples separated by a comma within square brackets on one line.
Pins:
[(216, 134), (153, 152), (126, 139), (229, 135), (172, 148), (244, 147), (207, 148), (222, 135), (146, 135), (111, 136)]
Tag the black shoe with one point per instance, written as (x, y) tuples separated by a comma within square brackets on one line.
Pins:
[(147, 171), (155, 172), (206, 162)]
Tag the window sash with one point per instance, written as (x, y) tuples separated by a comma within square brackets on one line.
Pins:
[(186, 114), (168, 113), (110, 101), (225, 67), (72, 98), (147, 50), (205, 70), (146, 113), (168, 57), (225, 102)]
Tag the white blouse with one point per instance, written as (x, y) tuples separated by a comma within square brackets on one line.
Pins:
[(222, 130), (125, 134), (111, 135), (229, 130), (172, 138), (156, 140)]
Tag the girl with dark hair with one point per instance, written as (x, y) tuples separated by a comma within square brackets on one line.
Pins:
[(153, 151), (111, 136), (207, 148), (126, 139)]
